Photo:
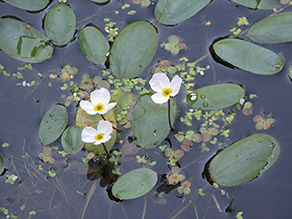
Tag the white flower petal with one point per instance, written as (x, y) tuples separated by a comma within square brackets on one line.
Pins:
[(158, 82), (159, 98), (104, 140), (88, 135), (87, 107), (101, 95), (107, 108), (104, 127), (175, 85)]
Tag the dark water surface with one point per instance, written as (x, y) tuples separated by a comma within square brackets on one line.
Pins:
[(21, 110)]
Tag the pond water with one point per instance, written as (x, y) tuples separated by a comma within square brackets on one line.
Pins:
[(70, 194)]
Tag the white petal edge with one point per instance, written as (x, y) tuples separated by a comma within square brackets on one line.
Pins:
[(101, 95), (175, 85), (107, 108), (87, 107), (158, 82), (104, 127), (158, 98), (88, 135), (106, 139)]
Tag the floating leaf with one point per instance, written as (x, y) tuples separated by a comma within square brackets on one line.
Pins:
[(59, 24), (93, 44), (1, 164), (83, 120), (71, 139), (259, 4), (101, 2), (216, 96), (29, 5), (150, 121), (171, 12), (244, 160), (23, 42), (248, 56), (133, 49), (135, 184), (275, 29), (53, 124)]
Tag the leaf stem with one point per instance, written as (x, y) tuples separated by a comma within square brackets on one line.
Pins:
[(117, 129), (169, 121), (104, 147)]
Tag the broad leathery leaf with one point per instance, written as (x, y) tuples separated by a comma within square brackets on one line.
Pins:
[(60, 24), (53, 124), (133, 50), (244, 160), (259, 4), (248, 56), (275, 29), (150, 123), (1, 164), (134, 184), (215, 97), (93, 44), (23, 42), (71, 139), (172, 12), (29, 5), (83, 120)]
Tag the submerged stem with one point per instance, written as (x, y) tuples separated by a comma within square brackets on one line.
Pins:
[(104, 147), (169, 121)]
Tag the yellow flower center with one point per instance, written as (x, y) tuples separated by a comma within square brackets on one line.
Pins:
[(166, 92), (99, 136), (99, 107)]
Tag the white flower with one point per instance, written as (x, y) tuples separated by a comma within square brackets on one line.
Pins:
[(99, 135), (100, 99), (163, 87)]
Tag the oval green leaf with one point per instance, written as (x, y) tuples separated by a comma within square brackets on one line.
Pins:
[(71, 139), (244, 160), (248, 56), (171, 12), (1, 164), (135, 184), (60, 24), (93, 44), (259, 4), (150, 121), (215, 97), (101, 2), (275, 29), (23, 42), (133, 50), (53, 124), (29, 5), (83, 120)]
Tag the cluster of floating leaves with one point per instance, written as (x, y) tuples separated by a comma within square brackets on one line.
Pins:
[(143, 3), (262, 123), (46, 155), (173, 155), (173, 46)]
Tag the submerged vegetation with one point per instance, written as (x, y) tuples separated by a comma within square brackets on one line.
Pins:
[(131, 123)]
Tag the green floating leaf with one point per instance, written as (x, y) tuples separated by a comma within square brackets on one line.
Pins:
[(93, 44), (150, 121), (83, 120), (259, 4), (135, 184), (1, 164), (100, 1), (215, 97), (29, 5), (60, 24), (71, 139), (275, 29), (23, 42), (172, 12), (53, 124), (244, 160), (133, 50), (248, 56)]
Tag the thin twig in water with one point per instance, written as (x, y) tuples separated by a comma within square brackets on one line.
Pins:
[(217, 203), (91, 191), (145, 207), (181, 210), (196, 211)]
